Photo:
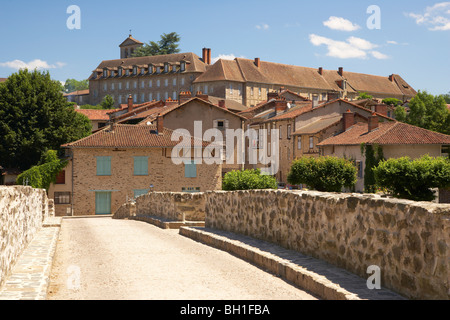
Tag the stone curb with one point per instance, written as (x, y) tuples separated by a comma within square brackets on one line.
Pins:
[(30, 276), (166, 224), (307, 273)]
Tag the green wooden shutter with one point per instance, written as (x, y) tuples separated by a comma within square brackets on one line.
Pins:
[(103, 166), (190, 170), (103, 202), (140, 166)]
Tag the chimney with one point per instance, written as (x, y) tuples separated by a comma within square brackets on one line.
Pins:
[(381, 109), (200, 95), (373, 122), (208, 51), (341, 71), (280, 106), (185, 96), (321, 71), (272, 95), (257, 62), (222, 104), (348, 119), (130, 103), (159, 124), (207, 55), (391, 78)]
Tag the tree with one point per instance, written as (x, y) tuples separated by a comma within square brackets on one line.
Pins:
[(447, 97), (72, 85), (107, 102), (364, 95), (392, 102), (329, 174), (413, 179), (428, 112), (34, 118), (167, 45), (373, 155), (248, 180), (400, 113)]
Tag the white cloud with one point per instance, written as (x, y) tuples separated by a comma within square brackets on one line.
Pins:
[(392, 42), (337, 23), (263, 26), (35, 64), (352, 48), (436, 17), (224, 57)]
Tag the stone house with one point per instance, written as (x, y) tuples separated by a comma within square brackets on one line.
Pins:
[(80, 97), (397, 140), (121, 162), (249, 82)]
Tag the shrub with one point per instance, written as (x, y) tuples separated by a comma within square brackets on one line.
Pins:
[(248, 180), (413, 179), (329, 174)]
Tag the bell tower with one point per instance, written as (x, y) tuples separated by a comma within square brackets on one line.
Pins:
[(128, 46)]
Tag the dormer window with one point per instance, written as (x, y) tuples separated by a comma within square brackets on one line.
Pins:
[(183, 66), (120, 72), (105, 73), (158, 70), (142, 71), (174, 68), (127, 72), (113, 73), (166, 67), (134, 70), (150, 69)]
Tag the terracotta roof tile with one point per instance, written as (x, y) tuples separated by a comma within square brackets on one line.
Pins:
[(387, 133), (130, 136), (95, 114)]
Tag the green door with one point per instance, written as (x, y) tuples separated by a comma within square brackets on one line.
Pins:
[(103, 202)]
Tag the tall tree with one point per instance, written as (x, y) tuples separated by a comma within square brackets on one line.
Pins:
[(34, 118), (167, 45), (429, 112)]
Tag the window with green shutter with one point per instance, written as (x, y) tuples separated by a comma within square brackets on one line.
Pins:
[(190, 170), (103, 166), (140, 166)]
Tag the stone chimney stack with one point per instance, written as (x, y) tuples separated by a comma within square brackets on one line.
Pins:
[(373, 122), (222, 104), (341, 71), (280, 106), (159, 124), (206, 55), (391, 78), (184, 96), (349, 119), (321, 71), (257, 62), (130, 103)]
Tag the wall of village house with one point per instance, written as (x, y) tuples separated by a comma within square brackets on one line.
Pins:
[(162, 174), (63, 209), (140, 87)]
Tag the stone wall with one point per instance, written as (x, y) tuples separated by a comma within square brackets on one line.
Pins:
[(22, 212), (408, 240), (172, 206)]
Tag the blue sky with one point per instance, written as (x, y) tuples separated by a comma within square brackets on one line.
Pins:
[(413, 39)]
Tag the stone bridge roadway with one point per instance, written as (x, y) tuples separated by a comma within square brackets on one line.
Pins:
[(103, 258)]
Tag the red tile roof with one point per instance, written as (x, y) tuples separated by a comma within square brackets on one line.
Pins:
[(387, 133), (96, 114), (131, 136)]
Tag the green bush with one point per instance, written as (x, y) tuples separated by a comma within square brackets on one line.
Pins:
[(413, 179), (328, 174), (248, 180)]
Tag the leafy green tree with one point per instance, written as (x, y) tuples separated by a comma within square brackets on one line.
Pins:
[(248, 180), (400, 113), (428, 112), (364, 95), (107, 102), (35, 117), (392, 102), (328, 174), (41, 176), (72, 85), (447, 98), (373, 155), (167, 45), (413, 179)]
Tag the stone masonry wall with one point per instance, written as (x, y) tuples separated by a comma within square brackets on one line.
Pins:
[(22, 212), (408, 240)]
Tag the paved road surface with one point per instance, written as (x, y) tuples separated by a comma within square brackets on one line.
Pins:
[(106, 259)]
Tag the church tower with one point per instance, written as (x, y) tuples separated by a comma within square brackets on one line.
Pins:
[(128, 46)]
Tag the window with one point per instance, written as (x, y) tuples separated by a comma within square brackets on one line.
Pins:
[(252, 89), (128, 85), (166, 67), (105, 73), (205, 89), (150, 96), (134, 70), (140, 166), (299, 142), (150, 84), (142, 97), (220, 125), (142, 71), (174, 82), (105, 87), (259, 91), (140, 192), (62, 197), (142, 84), (166, 82), (61, 177), (135, 84), (127, 72), (279, 131), (445, 151), (150, 69), (120, 85), (120, 72), (311, 142), (174, 95), (113, 73), (120, 98), (112, 86), (359, 168), (174, 68), (135, 97), (158, 96), (289, 131), (182, 81), (190, 170), (158, 70), (158, 83), (166, 95), (183, 66), (231, 88), (103, 166)]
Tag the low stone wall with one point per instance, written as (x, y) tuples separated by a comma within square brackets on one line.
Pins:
[(172, 205), (22, 212), (409, 241)]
